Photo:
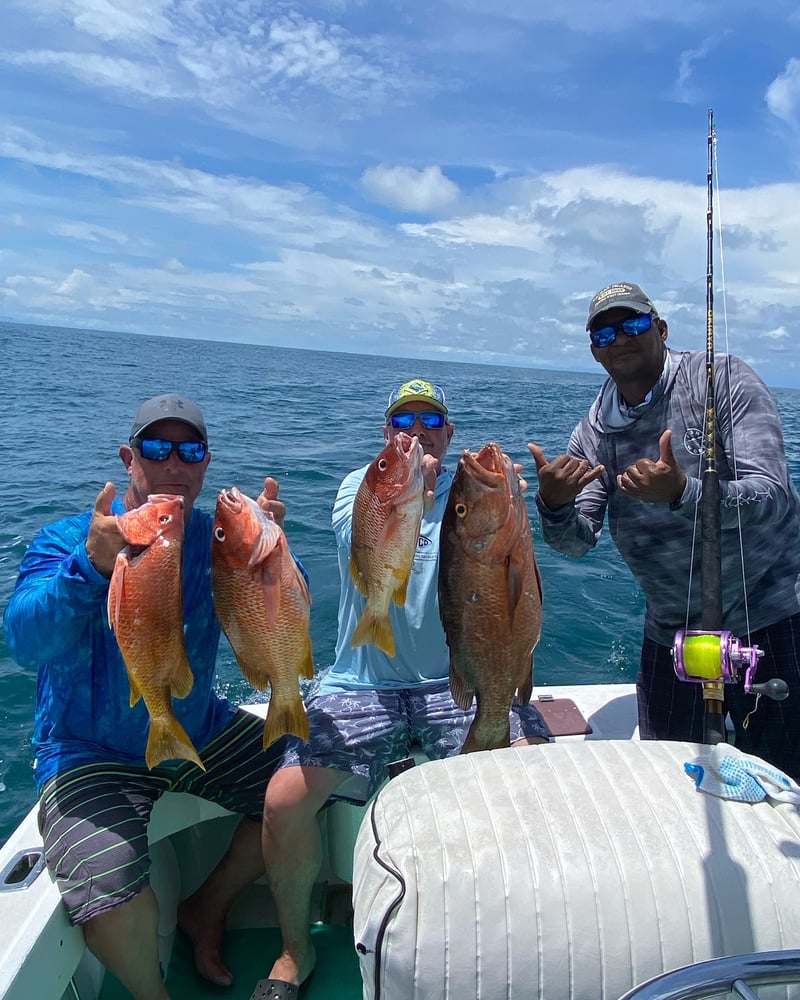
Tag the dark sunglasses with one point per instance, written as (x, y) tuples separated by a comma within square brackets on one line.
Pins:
[(159, 450), (631, 327), (405, 421)]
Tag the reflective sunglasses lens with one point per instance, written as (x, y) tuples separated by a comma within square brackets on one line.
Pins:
[(604, 336), (155, 450), (192, 451), (433, 421), (639, 324), (403, 421)]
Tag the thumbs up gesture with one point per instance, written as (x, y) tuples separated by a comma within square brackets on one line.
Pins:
[(662, 481), (104, 540)]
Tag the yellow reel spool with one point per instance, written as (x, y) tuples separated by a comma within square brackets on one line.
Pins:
[(702, 659)]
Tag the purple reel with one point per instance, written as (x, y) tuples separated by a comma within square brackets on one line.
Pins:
[(713, 658)]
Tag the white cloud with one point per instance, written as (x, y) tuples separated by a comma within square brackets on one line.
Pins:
[(427, 190), (783, 93)]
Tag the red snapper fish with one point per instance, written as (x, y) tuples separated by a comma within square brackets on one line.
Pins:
[(386, 520), (263, 605), (145, 610), (490, 593)]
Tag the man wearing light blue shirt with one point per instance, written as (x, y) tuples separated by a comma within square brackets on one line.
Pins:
[(371, 708)]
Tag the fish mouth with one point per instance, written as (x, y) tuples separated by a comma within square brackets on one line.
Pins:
[(406, 444), (487, 466), (231, 500)]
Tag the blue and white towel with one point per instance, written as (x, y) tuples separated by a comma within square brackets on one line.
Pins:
[(731, 774)]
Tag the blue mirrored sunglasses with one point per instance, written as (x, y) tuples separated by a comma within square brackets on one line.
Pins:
[(405, 421), (631, 327), (159, 450)]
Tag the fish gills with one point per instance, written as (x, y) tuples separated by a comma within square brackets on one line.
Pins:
[(386, 521), (145, 610), (490, 593), (263, 605)]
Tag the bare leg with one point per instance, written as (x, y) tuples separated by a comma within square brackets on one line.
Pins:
[(202, 915), (125, 940), (293, 855)]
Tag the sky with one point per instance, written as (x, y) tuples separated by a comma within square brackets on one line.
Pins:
[(450, 179)]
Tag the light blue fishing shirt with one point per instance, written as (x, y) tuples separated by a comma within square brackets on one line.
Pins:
[(421, 653), (57, 622)]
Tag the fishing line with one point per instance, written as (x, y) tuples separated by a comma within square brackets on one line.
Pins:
[(728, 366)]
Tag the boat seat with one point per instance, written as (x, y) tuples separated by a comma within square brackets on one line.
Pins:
[(568, 871)]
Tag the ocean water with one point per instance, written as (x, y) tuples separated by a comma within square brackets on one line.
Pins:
[(306, 418)]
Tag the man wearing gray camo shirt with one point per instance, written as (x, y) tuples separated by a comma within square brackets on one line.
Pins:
[(636, 456)]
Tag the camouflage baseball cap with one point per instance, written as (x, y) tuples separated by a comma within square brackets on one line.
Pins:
[(416, 390)]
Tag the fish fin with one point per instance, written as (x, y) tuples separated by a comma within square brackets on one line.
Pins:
[(167, 740), (399, 596), (358, 579), (376, 630), (182, 680), (253, 676), (136, 694), (271, 586), (514, 579), (307, 665), (525, 689), (462, 695), (115, 591), (265, 544), (286, 718)]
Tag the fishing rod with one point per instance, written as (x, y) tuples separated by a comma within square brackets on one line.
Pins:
[(710, 655)]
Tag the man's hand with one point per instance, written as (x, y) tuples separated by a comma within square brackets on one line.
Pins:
[(105, 540), (431, 467), (561, 480), (268, 501), (662, 481)]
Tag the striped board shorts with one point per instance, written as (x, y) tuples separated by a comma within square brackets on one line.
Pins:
[(93, 818)]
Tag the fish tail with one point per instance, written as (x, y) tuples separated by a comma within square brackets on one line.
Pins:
[(374, 629), (168, 740), (287, 717)]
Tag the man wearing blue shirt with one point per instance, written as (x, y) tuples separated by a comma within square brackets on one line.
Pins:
[(371, 707), (96, 792)]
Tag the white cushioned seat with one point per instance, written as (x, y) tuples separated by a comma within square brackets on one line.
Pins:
[(570, 871)]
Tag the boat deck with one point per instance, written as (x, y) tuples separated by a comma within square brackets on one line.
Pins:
[(248, 953)]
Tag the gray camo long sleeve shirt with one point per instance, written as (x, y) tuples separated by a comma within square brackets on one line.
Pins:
[(759, 500)]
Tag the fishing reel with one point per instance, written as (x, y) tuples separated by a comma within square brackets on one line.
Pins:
[(716, 658)]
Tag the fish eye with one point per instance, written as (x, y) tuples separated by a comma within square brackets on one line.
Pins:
[(383, 465), (461, 510), (165, 518), (219, 534)]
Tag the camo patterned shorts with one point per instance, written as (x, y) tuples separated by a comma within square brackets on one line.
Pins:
[(361, 732)]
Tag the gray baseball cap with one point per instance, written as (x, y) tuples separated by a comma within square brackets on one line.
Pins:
[(620, 295), (169, 407)]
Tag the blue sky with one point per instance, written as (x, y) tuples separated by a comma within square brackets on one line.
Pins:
[(446, 180)]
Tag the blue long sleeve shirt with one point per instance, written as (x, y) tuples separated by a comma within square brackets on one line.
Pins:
[(56, 621)]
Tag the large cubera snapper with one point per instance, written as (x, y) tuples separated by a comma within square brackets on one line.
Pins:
[(263, 605), (387, 513), (145, 610), (490, 593)]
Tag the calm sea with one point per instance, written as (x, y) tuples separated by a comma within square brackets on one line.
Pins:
[(306, 418)]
